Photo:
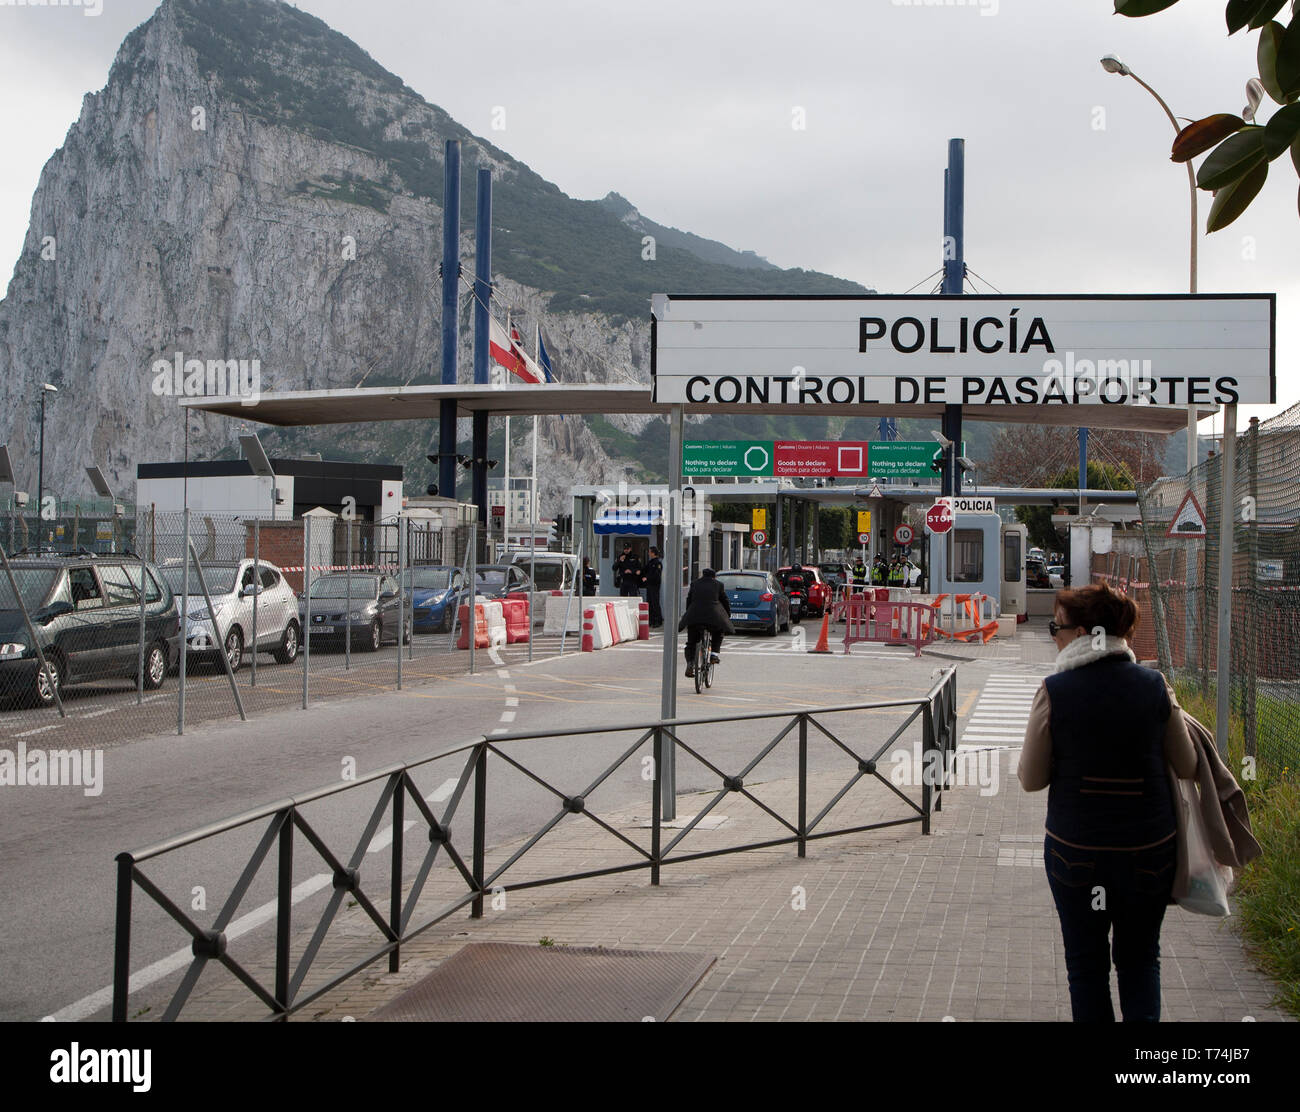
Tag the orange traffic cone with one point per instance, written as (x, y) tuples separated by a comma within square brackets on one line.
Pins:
[(823, 642)]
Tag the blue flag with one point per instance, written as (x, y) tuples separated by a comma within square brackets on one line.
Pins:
[(544, 359)]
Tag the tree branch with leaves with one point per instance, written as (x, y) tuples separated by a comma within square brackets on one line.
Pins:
[(1243, 149)]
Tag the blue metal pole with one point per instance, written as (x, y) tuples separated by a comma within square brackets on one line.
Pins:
[(482, 298), (954, 277), (450, 316)]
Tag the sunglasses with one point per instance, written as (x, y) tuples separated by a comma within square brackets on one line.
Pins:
[(1054, 629)]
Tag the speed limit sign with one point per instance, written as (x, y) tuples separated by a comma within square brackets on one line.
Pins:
[(903, 535), (758, 538)]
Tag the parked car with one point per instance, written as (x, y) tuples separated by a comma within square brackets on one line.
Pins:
[(818, 594), (1056, 575), (437, 591), (551, 571), (757, 601), (85, 613), (1036, 574), (378, 610), (232, 588), (495, 581)]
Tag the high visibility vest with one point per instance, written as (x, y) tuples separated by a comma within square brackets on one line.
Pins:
[(897, 576)]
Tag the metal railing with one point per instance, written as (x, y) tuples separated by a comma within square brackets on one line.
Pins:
[(937, 712)]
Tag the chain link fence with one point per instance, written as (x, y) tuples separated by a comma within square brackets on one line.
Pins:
[(119, 626), (1171, 568)]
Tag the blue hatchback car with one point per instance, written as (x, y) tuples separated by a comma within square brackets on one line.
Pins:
[(757, 601), (437, 592)]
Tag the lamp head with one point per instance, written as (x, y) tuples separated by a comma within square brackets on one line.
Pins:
[(1112, 64), (48, 388)]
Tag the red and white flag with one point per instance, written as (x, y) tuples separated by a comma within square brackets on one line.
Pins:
[(508, 352)]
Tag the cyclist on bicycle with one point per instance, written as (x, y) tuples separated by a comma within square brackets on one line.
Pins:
[(707, 609)]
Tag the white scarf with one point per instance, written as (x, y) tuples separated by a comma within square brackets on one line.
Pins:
[(1080, 651)]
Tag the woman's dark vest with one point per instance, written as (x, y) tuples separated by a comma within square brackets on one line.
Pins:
[(1109, 786)]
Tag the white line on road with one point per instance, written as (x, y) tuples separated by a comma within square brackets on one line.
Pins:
[(39, 730)]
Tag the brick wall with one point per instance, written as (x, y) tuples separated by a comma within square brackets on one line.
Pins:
[(281, 543)]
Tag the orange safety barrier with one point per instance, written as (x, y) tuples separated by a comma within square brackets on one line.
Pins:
[(518, 627), (481, 640), (973, 606)]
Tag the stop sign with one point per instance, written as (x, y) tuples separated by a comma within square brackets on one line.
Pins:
[(938, 518)]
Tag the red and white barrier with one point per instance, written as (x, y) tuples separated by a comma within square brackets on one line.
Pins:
[(643, 622), (489, 625), (610, 622)]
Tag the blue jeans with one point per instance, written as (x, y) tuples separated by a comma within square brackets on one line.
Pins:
[(1100, 891)]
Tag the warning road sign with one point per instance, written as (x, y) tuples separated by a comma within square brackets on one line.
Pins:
[(1189, 521)]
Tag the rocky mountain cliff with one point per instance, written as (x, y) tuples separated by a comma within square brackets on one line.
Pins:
[(250, 184)]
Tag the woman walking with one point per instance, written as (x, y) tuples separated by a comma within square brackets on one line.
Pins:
[(1101, 730)]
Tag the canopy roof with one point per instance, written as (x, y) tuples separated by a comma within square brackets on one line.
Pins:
[(422, 403)]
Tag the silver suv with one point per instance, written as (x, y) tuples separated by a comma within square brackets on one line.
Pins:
[(233, 587)]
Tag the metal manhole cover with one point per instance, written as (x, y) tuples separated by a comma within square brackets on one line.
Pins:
[(508, 982)]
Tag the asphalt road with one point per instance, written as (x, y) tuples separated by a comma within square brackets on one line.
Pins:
[(57, 845)]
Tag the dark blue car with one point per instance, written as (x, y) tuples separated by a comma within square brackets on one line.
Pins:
[(437, 593), (757, 601)]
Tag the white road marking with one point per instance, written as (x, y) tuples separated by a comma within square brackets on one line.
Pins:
[(512, 702), (39, 730), (97, 713), (507, 716), (1001, 715)]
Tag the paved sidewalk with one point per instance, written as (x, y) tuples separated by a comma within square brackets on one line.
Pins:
[(893, 925)]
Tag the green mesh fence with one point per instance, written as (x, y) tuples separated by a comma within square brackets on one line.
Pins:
[(1174, 580)]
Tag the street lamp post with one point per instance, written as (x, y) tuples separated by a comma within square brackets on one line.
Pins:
[(46, 388), (1112, 64)]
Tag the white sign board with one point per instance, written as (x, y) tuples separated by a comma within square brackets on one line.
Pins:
[(1105, 349), (965, 505), (1269, 570)]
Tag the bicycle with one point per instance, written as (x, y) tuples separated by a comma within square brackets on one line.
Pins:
[(704, 662)]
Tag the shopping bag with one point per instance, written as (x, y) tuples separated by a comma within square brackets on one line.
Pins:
[(1205, 891)]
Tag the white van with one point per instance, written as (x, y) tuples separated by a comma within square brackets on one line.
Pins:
[(554, 571)]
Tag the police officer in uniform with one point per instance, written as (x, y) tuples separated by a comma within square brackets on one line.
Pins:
[(651, 579), (627, 572)]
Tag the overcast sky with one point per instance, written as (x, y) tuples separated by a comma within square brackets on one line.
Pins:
[(687, 109)]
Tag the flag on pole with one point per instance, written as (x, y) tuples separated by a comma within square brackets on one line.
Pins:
[(543, 358), (507, 351)]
